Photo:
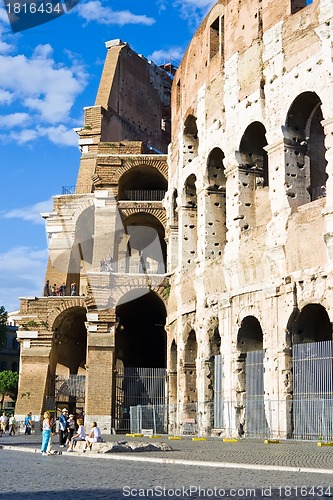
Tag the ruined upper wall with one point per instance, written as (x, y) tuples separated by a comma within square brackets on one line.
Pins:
[(239, 28), (135, 93)]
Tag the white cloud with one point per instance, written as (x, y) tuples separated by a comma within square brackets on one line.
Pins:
[(194, 10), (60, 135), (14, 120), (40, 84), (45, 91), (93, 10), (165, 55), (22, 271), (31, 213), (6, 97)]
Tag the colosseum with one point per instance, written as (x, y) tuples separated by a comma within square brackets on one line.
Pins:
[(196, 252)]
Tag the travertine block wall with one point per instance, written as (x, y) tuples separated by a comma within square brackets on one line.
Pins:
[(272, 73)]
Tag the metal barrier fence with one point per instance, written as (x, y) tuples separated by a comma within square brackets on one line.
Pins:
[(264, 418)]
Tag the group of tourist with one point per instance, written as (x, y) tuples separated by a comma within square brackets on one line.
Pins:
[(54, 290), (106, 264), (71, 430), (7, 423)]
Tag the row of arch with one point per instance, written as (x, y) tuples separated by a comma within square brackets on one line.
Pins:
[(311, 324), (304, 140)]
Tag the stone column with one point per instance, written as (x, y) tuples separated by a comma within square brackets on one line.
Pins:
[(105, 226), (100, 369), (328, 210), (280, 207), (34, 372)]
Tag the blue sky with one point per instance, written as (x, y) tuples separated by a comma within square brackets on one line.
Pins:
[(47, 75)]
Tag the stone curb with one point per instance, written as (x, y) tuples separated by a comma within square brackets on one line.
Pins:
[(176, 461)]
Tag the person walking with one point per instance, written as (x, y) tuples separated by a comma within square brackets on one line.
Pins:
[(46, 432), (12, 426), (63, 427), (3, 422), (47, 292), (28, 424), (73, 289)]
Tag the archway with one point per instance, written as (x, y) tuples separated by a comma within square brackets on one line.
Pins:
[(305, 150), (141, 246), (68, 359), (250, 415), (190, 139), (142, 183), (81, 257), (140, 351), (311, 334)]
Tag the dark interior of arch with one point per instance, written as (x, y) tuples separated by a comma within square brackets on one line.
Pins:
[(250, 335), (148, 236), (304, 127), (190, 126), (173, 356), (140, 336), (141, 178), (191, 191), (300, 112), (312, 325), (70, 337), (191, 348), (252, 148), (216, 176)]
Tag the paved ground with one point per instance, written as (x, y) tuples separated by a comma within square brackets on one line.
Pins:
[(245, 454)]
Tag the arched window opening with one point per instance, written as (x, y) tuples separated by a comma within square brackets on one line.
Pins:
[(81, 253), (312, 325), (253, 156), (251, 417), (191, 140), (305, 150), (140, 246), (143, 183)]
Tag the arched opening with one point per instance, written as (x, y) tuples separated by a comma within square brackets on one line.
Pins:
[(142, 183), (140, 353), (140, 335), (189, 222), (68, 359), (191, 141), (250, 412), (312, 325), (141, 246), (82, 252), (254, 156), (215, 215), (312, 373), (305, 150)]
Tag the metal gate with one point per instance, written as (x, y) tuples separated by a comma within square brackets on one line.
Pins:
[(137, 386), (218, 392), (313, 391), (255, 415)]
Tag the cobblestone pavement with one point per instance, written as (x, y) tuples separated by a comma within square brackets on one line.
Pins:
[(30, 476), (289, 454)]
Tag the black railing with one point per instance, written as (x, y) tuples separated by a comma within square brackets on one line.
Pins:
[(143, 195), (79, 189)]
